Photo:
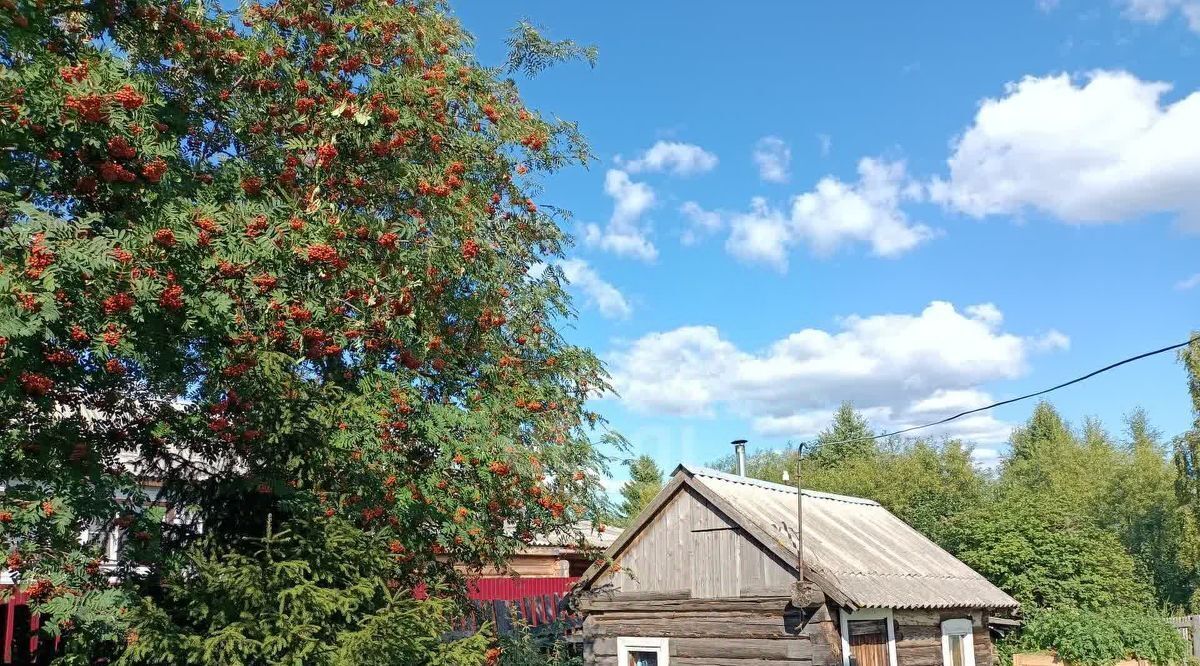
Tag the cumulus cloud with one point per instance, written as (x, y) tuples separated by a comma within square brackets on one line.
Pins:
[(1107, 148), (1188, 283), (679, 159), (899, 369), (832, 215), (701, 222), (624, 234), (598, 292), (772, 156), (1155, 11)]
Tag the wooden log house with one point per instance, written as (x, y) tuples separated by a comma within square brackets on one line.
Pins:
[(707, 574)]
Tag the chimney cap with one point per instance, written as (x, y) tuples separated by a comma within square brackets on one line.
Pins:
[(740, 441)]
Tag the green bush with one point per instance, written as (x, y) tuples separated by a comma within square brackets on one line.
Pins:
[(544, 646), (1099, 638)]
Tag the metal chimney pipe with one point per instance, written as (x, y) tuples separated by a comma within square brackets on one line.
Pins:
[(739, 447)]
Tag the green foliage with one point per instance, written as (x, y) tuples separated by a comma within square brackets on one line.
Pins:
[(1101, 637), (1048, 458), (530, 52), (544, 646), (318, 593), (280, 261), (1141, 508), (645, 481), (1045, 557)]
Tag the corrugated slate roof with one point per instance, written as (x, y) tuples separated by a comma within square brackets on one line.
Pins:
[(873, 557)]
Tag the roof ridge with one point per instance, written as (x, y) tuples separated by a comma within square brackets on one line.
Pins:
[(695, 470)]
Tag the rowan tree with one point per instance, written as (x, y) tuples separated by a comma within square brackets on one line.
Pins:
[(277, 261)]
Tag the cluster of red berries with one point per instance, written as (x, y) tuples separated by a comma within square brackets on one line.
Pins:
[(154, 170), (264, 281), (252, 185), (470, 249), (113, 172), (120, 149), (164, 237), (40, 589), (326, 154), (117, 303), (40, 257), (129, 98), (111, 335), (74, 74), (60, 357), (89, 108), (534, 141), (171, 297), (322, 253), (36, 384)]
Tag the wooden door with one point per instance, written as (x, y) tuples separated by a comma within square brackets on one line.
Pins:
[(868, 643)]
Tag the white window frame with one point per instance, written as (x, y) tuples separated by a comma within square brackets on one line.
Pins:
[(884, 614), (960, 626), (659, 646)]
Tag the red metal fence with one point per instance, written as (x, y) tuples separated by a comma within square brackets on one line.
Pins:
[(21, 638), (491, 589), (532, 601)]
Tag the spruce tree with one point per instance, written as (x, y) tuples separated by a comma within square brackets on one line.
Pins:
[(848, 437), (645, 481)]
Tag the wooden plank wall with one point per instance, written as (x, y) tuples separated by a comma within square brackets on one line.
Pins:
[(748, 631), (919, 637), (693, 546)]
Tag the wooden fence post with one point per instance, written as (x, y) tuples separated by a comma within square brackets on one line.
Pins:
[(1194, 634)]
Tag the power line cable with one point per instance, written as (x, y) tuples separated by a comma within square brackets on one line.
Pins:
[(1027, 396)]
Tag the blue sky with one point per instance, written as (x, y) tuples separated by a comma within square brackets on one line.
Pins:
[(917, 207)]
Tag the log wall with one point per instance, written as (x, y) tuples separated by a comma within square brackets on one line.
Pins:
[(747, 631), (919, 637)]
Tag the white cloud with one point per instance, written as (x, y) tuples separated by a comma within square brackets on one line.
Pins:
[(773, 157), (1155, 11), (679, 159), (986, 312), (624, 235), (701, 222), (833, 214), (598, 292), (761, 235), (1106, 149), (868, 211), (1047, 6), (899, 369), (1188, 283)]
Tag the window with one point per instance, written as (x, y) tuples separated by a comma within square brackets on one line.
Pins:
[(958, 643), (642, 652), (868, 637)]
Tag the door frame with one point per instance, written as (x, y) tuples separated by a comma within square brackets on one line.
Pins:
[(884, 614)]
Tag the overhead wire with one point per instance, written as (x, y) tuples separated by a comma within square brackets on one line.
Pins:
[(1027, 396)]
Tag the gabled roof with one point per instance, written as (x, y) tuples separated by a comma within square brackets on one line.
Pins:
[(856, 550)]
